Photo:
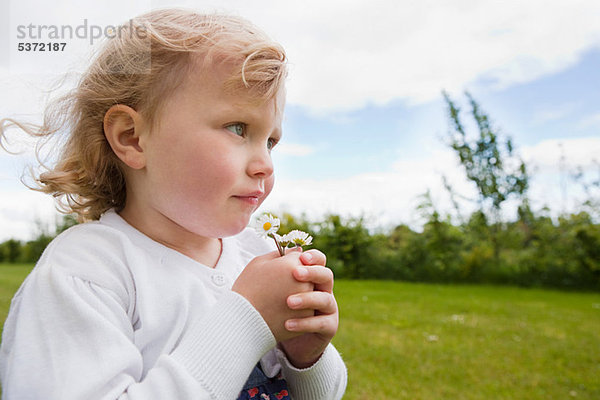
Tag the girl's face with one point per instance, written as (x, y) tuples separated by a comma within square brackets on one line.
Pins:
[(208, 159)]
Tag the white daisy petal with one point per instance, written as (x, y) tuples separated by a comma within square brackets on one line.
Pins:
[(298, 238), (267, 225), (283, 240)]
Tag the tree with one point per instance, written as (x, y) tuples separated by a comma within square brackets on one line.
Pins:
[(65, 223), (348, 246), (11, 250), (489, 162)]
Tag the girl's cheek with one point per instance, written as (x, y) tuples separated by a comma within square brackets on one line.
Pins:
[(269, 186)]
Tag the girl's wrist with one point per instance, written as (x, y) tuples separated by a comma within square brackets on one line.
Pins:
[(300, 362)]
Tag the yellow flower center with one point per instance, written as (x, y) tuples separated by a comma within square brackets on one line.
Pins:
[(267, 226)]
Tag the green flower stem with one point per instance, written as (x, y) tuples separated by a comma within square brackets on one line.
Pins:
[(279, 247)]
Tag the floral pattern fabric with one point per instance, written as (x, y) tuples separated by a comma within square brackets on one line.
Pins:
[(260, 387)]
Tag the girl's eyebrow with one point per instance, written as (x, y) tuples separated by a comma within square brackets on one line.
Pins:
[(243, 113)]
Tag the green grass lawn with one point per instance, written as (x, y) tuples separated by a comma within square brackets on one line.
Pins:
[(11, 277), (420, 341)]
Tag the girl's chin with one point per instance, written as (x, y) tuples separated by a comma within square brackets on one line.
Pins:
[(234, 228)]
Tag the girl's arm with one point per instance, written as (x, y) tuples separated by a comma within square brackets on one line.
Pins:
[(69, 338)]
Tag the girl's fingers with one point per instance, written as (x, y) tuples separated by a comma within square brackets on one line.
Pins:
[(313, 257), (321, 276), (325, 325), (322, 302)]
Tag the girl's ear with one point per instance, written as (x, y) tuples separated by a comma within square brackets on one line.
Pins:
[(123, 127)]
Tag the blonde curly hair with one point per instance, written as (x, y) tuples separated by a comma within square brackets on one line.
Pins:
[(140, 67)]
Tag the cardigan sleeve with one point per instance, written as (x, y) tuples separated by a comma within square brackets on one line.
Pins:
[(325, 380), (68, 338)]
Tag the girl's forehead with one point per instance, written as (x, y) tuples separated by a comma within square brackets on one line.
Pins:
[(222, 78), (211, 81), (207, 76), (213, 84)]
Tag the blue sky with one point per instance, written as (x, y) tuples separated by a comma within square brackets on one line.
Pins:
[(365, 120)]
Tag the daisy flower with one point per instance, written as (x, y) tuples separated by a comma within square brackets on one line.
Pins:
[(267, 225), (297, 238)]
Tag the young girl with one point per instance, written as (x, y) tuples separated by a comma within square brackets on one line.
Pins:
[(164, 294)]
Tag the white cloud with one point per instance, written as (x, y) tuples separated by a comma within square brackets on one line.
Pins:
[(386, 197), (21, 210), (553, 163), (548, 155), (373, 52), (295, 149)]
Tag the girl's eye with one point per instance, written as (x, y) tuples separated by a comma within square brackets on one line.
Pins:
[(237, 128), (271, 143)]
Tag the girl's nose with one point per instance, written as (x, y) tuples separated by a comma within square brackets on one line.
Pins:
[(260, 164)]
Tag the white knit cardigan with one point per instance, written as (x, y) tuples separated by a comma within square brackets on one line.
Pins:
[(108, 313)]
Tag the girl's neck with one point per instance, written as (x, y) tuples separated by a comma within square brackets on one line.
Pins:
[(205, 250)]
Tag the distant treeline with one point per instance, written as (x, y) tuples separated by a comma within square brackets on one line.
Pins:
[(533, 251)]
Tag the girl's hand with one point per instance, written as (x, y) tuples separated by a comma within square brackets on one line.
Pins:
[(317, 330), (266, 282)]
